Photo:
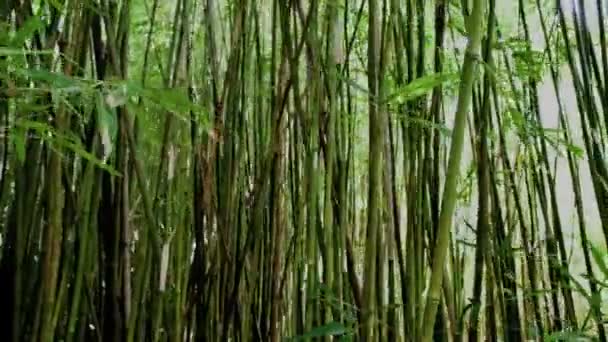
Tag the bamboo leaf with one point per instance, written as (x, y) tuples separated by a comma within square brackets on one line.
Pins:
[(420, 87), (330, 329), (18, 139), (26, 31), (55, 80), (47, 133), (568, 336), (9, 52), (599, 258)]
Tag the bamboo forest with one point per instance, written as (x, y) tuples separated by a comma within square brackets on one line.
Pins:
[(303, 170)]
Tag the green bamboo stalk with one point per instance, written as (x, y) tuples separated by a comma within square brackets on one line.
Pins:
[(483, 220), (376, 141), (575, 176), (449, 195)]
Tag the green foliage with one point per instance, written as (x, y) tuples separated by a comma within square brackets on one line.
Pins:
[(529, 129), (17, 138), (420, 87), (68, 140), (600, 259), (330, 329), (569, 337), (31, 26)]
